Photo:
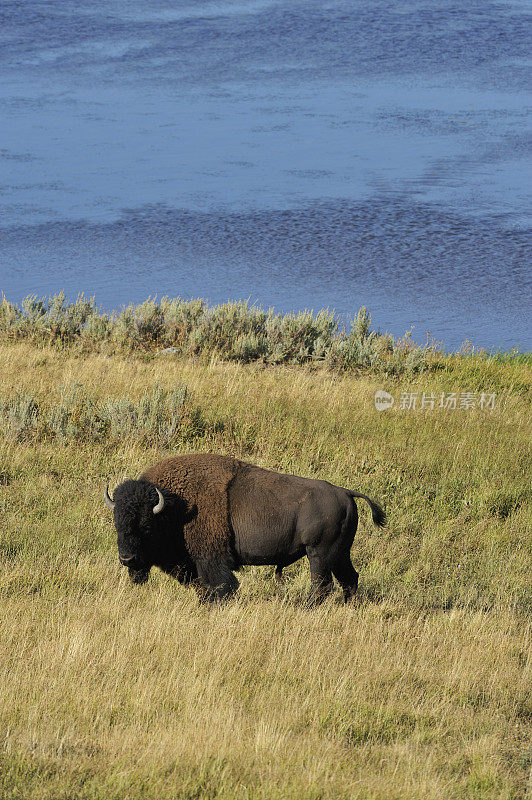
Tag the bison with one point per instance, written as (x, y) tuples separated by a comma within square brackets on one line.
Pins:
[(199, 517)]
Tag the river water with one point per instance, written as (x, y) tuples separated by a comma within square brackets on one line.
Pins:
[(299, 154)]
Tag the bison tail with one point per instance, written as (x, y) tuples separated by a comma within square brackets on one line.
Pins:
[(377, 512)]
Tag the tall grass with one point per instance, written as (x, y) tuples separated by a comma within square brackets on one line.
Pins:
[(418, 691)]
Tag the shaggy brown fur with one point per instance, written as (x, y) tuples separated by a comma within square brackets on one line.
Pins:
[(204, 482)]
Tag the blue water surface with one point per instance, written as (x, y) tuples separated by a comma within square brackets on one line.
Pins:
[(299, 154)]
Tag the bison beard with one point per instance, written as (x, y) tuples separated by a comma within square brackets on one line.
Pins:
[(199, 517)]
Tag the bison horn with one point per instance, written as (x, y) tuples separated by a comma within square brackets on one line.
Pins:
[(108, 502), (160, 505)]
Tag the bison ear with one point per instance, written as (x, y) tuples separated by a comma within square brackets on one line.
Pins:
[(190, 513)]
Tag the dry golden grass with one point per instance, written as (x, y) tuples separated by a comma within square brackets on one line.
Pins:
[(420, 690), (110, 693)]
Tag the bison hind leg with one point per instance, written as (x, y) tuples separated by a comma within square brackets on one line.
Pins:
[(278, 575), (216, 581), (346, 575), (320, 576)]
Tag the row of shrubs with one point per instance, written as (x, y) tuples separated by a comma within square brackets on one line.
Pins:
[(161, 417), (235, 331)]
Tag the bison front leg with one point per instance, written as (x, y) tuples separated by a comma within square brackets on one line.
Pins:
[(320, 576), (215, 581), (184, 573)]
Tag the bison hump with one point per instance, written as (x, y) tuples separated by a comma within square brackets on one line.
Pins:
[(202, 480)]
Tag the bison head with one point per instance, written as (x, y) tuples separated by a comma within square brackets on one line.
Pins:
[(136, 506)]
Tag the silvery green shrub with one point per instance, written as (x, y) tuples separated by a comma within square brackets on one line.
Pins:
[(234, 330)]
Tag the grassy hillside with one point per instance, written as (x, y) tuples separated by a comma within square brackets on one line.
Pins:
[(419, 691)]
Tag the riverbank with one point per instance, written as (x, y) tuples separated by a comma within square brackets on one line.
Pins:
[(234, 331)]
